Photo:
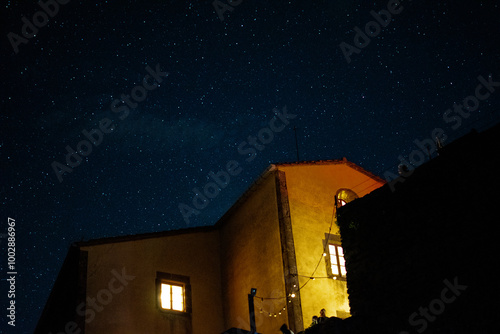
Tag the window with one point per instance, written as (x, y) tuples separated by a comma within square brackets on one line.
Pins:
[(334, 257), (172, 297), (344, 196), (337, 261), (173, 292)]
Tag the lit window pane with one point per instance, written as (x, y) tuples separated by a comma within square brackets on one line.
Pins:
[(165, 296), (177, 298), (341, 251), (335, 269), (337, 260)]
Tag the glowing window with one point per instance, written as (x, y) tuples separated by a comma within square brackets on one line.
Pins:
[(172, 297), (344, 196), (173, 293), (337, 261)]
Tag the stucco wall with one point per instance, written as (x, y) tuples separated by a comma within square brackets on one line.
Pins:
[(311, 191), (251, 258), (134, 308)]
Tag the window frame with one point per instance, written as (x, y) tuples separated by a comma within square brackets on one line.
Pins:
[(334, 240), (339, 266), (174, 280)]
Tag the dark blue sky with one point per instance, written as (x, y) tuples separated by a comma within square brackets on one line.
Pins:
[(226, 79)]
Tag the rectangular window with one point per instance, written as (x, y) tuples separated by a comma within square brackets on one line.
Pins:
[(173, 292), (337, 261), (172, 297)]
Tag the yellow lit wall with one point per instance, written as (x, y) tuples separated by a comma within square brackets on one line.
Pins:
[(311, 190), (251, 258), (134, 309)]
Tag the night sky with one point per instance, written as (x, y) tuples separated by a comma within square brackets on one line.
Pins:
[(221, 81)]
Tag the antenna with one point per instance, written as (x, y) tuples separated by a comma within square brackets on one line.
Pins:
[(296, 143)]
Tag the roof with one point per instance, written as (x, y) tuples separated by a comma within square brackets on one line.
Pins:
[(135, 237), (274, 167), (332, 162)]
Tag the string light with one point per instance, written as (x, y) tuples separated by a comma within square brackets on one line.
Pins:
[(310, 278), (272, 314)]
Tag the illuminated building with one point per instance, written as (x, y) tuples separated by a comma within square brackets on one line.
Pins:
[(280, 238)]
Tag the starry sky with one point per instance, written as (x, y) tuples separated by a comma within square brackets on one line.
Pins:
[(219, 83)]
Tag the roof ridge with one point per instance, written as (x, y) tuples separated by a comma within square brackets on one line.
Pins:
[(142, 236)]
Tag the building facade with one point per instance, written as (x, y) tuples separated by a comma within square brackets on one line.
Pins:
[(280, 238)]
